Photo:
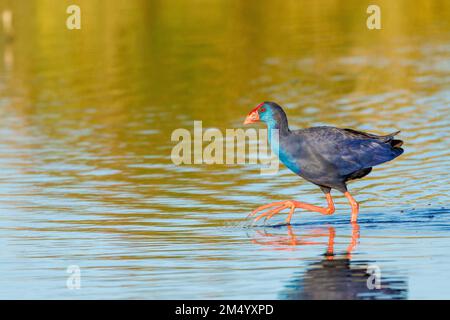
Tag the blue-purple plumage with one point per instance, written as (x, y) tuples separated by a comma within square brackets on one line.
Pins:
[(329, 156)]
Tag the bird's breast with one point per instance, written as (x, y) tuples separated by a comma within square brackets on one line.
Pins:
[(289, 161), (282, 147)]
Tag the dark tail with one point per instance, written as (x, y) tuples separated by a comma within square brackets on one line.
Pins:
[(388, 139), (394, 143)]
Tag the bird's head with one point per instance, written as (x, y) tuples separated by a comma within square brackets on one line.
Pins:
[(268, 112)]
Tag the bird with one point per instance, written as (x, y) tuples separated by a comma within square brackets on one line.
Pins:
[(326, 156)]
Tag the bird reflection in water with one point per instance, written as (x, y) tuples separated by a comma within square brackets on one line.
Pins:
[(335, 276)]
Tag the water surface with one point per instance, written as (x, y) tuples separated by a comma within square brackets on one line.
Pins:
[(86, 176)]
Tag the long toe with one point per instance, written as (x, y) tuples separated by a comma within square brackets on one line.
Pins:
[(273, 212), (270, 212), (273, 204)]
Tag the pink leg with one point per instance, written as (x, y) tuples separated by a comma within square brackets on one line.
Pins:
[(292, 205), (354, 205)]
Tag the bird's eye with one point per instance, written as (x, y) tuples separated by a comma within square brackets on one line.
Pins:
[(262, 109)]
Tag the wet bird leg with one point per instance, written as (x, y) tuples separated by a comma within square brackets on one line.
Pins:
[(354, 205), (292, 205)]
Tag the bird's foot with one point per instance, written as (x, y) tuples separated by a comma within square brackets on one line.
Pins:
[(277, 208), (292, 205)]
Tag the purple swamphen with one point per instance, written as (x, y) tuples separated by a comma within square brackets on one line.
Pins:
[(326, 156)]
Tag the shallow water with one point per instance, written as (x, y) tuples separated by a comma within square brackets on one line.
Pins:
[(86, 176)]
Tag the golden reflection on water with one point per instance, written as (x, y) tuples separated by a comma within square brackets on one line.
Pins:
[(86, 118)]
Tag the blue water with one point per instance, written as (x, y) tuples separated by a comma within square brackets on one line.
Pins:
[(86, 178)]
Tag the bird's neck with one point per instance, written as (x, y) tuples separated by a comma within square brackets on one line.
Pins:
[(280, 124)]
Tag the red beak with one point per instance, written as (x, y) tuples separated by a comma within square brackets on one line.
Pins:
[(252, 117)]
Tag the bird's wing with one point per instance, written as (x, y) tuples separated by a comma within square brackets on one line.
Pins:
[(365, 135), (348, 151)]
